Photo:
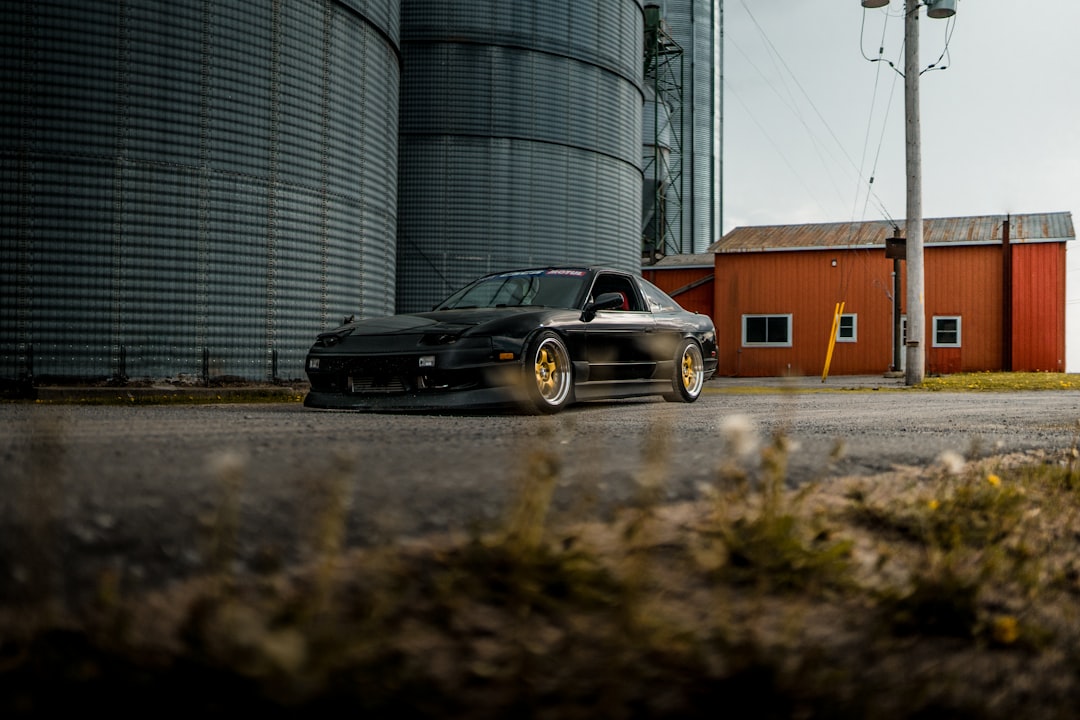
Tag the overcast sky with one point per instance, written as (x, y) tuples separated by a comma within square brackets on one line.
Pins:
[(808, 120)]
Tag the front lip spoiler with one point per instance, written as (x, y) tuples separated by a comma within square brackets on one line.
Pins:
[(475, 399)]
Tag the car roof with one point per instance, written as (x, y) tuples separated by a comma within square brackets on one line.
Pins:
[(539, 268)]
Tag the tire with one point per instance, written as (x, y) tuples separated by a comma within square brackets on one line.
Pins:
[(689, 375), (548, 374)]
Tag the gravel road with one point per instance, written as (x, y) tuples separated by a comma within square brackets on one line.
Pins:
[(141, 491)]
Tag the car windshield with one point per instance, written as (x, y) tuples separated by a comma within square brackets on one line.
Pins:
[(553, 287)]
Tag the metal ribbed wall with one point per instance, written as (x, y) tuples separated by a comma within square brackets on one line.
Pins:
[(520, 139), (697, 25), (193, 187)]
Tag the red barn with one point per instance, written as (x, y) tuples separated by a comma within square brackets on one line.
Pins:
[(995, 296)]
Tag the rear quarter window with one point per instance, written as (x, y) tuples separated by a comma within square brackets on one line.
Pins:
[(658, 300)]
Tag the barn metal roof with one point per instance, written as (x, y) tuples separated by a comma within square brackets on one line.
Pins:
[(979, 230)]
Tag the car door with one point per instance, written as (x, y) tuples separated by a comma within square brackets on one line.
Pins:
[(618, 341), (669, 325)]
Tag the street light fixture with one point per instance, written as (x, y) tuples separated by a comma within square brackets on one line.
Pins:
[(915, 369)]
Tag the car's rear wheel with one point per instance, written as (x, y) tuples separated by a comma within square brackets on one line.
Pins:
[(689, 375), (549, 374)]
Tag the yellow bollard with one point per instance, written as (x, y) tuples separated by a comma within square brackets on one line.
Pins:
[(832, 339)]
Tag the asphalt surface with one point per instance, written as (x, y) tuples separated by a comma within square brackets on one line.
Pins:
[(152, 493), (60, 393)]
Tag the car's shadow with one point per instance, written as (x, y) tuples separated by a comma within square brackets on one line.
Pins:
[(512, 411)]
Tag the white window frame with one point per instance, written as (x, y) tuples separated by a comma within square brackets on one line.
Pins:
[(959, 329), (854, 337), (785, 316)]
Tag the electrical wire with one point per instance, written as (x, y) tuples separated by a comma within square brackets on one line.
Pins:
[(791, 103), (881, 143), (950, 25), (809, 100), (768, 137), (846, 275), (870, 119)]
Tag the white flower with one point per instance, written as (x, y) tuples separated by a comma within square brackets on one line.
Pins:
[(740, 434), (227, 463), (952, 461)]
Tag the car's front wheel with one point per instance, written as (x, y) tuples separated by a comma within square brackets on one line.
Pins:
[(549, 374), (689, 375)]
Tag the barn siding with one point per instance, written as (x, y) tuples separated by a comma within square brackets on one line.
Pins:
[(806, 285), (965, 281), (789, 270), (1038, 308)]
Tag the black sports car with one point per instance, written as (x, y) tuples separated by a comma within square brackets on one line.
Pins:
[(538, 339)]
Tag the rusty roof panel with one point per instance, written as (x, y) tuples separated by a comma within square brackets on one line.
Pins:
[(1035, 227)]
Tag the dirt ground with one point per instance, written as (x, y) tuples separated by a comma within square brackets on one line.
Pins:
[(842, 599)]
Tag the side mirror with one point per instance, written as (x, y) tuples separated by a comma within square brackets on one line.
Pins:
[(606, 301)]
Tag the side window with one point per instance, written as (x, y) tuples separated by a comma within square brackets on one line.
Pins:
[(621, 284), (946, 331), (658, 300), (766, 330), (848, 329)]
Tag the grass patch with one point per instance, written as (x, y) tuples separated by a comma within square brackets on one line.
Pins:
[(957, 382), (1003, 381)]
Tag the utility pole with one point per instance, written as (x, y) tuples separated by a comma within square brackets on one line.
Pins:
[(915, 369), (915, 366)]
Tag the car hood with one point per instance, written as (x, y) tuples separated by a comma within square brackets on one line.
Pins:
[(401, 332), (442, 321)]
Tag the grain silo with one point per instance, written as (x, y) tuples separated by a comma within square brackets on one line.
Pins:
[(193, 188), (520, 139)]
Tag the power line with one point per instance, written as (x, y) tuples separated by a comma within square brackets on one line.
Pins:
[(869, 121), (768, 137), (809, 100)]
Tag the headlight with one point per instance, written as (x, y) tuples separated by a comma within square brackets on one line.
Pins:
[(332, 338), (313, 363), (439, 339)]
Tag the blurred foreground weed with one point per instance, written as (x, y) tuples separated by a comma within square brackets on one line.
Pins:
[(950, 592)]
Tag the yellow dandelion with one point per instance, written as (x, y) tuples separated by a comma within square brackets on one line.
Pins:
[(933, 504), (1005, 629), (993, 479)]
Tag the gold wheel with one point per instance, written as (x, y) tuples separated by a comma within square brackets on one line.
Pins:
[(689, 375), (552, 373)]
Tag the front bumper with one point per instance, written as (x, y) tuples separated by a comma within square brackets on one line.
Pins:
[(473, 399), (396, 383)]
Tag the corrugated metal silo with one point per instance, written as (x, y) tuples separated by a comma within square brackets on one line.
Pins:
[(193, 188), (520, 139), (697, 26)]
